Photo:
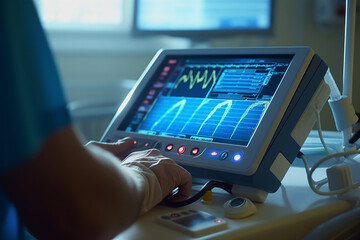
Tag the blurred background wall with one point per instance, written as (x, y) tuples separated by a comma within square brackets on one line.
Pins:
[(104, 74)]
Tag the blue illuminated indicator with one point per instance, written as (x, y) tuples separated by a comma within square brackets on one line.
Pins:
[(237, 156)]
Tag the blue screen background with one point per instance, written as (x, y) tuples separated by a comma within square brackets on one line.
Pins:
[(217, 99)]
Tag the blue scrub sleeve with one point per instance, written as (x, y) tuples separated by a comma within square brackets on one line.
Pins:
[(32, 102)]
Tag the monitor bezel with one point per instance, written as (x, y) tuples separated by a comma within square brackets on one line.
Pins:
[(253, 153)]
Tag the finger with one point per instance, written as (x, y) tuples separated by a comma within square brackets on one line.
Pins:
[(171, 175), (119, 148), (146, 157), (184, 184), (147, 154)]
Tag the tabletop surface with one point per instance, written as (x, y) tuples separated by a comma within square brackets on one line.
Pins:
[(289, 213)]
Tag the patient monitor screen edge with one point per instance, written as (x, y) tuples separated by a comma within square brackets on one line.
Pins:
[(219, 99), (224, 114)]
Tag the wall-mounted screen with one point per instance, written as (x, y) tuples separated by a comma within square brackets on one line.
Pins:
[(202, 18)]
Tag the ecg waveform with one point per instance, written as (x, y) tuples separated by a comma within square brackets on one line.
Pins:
[(205, 79), (195, 81), (214, 118)]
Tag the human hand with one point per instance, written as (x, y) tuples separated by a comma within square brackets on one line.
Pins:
[(163, 175), (119, 148)]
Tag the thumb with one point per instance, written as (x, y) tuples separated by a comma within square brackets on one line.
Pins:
[(119, 148)]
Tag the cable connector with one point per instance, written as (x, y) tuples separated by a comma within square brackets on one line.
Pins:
[(339, 177), (206, 187), (344, 113)]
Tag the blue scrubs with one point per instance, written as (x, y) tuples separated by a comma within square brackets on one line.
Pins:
[(32, 103)]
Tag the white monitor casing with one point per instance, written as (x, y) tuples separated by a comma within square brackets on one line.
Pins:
[(276, 140)]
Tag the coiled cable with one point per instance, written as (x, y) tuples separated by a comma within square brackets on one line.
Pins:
[(206, 187)]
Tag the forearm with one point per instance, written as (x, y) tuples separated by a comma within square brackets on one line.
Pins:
[(72, 194), (113, 193)]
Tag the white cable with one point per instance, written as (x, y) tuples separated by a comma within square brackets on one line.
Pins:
[(342, 109), (335, 94), (318, 123), (312, 183), (321, 182), (315, 185)]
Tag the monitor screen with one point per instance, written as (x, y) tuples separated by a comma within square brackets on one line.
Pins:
[(214, 98), (238, 115), (202, 17)]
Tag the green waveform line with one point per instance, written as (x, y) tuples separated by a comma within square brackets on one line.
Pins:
[(180, 105), (264, 103), (204, 79), (228, 104), (205, 101)]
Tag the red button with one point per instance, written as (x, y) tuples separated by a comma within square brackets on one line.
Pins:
[(194, 151), (181, 150), (174, 215), (214, 153), (169, 147)]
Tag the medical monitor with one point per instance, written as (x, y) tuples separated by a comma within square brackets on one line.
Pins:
[(229, 114), (202, 19)]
